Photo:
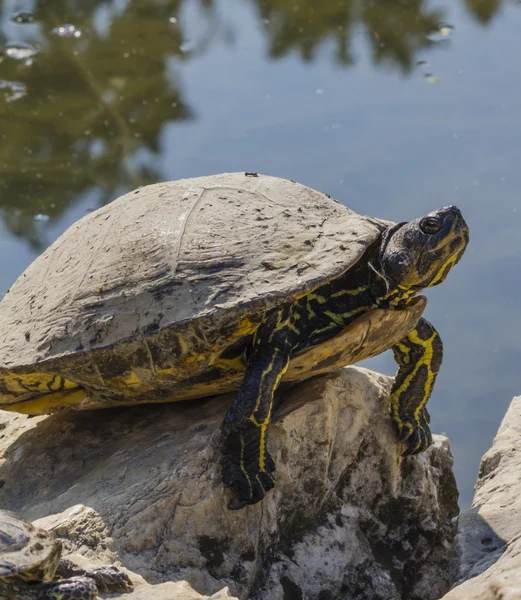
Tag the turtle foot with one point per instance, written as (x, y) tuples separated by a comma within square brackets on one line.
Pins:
[(249, 486), (416, 434), (247, 467)]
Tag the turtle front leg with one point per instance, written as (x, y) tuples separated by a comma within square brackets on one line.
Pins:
[(419, 357), (246, 464)]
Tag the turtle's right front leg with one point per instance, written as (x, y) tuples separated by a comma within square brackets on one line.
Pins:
[(247, 466), (419, 357)]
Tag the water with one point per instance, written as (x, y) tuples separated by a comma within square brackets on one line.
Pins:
[(394, 108)]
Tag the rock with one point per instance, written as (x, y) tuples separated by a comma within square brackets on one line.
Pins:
[(487, 545), (348, 518), (171, 591), (180, 590)]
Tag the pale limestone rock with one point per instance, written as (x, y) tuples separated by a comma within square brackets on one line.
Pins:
[(171, 591), (487, 545), (179, 590), (140, 487)]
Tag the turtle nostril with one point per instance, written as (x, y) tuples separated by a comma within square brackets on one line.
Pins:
[(453, 210)]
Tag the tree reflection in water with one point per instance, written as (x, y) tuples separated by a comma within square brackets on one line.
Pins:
[(83, 109)]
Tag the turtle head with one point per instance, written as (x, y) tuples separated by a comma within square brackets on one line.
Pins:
[(420, 253)]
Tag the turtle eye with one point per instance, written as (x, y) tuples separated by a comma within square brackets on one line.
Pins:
[(430, 225)]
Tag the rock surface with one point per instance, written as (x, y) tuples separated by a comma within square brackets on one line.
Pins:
[(487, 545), (179, 590), (140, 487)]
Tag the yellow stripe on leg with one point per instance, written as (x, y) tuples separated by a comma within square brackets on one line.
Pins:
[(419, 357), (243, 468), (425, 360)]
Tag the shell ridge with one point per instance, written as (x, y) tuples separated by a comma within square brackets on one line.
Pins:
[(238, 189), (86, 271), (183, 229)]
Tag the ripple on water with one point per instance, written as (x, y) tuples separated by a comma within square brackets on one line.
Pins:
[(67, 31), (12, 90)]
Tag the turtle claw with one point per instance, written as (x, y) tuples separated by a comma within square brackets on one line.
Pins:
[(416, 435), (242, 471), (247, 466), (249, 485), (237, 504), (418, 442)]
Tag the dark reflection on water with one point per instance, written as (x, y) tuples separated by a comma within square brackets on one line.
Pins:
[(394, 107), (87, 87), (395, 30), (96, 98), (484, 10)]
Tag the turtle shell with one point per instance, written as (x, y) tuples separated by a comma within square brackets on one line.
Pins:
[(181, 268), (26, 552)]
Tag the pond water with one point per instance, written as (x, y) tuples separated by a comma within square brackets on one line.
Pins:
[(392, 107)]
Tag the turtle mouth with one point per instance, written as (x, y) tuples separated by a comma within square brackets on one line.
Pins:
[(428, 249)]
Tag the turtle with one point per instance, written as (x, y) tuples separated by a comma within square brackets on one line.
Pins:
[(232, 282), (31, 567)]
